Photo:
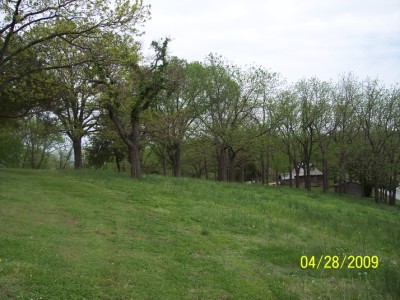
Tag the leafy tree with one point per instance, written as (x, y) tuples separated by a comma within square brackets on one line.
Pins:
[(169, 121), (378, 118), (41, 136), (228, 102), (347, 98), (11, 146), (199, 156), (129, 90), (322, 125), (312, 97), (106, 145), (75, 105), (29, 26), (288, 122), (268, 83)]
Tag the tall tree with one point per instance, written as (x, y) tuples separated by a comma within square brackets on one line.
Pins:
[(378, 118), (129, 90), (228, 103), (323, 125), (268, 83), (41, 135), (287, 118), (11, 145), (28, 26), (347, 96), (169, 121), (76, 104), (309, 93)]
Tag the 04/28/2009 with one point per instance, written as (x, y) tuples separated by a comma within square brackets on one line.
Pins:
[(337, 262)]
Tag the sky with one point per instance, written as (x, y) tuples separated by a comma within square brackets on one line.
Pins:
[(298, 39)]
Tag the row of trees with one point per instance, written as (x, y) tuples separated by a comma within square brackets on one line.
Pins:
[(74, 69)]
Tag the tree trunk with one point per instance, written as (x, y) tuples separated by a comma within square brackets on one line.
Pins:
[(307, 177), (206, 168), (77, 145), (117, 161), (241, 173), (131, 141), (262, 169), (176, 160), (164, 165), (267, 170), (290, 175), (134, 152), (231, 165), (221, 158), (32, 156), (376, 190), (325, 183), (297, 172), (342, 180), (392, 195), (325, 186)]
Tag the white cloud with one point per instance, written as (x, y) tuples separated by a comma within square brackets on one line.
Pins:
[(295, 38)]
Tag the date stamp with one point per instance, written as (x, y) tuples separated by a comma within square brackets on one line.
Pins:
[(338, 262)]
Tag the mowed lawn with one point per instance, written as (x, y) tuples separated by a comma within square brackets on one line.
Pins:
[(99, 235)]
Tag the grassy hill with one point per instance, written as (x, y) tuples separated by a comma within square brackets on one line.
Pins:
[(96, 235)]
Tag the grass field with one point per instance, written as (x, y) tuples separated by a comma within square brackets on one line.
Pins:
[(97, 235)]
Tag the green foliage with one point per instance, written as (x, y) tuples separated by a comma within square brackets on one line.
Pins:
[(129, 90), (31, 31), (41, 136), (11, 145)]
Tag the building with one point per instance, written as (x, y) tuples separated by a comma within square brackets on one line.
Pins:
[(316, 176), (352, 188)]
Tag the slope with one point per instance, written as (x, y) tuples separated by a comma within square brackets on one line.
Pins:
[(90, 234)]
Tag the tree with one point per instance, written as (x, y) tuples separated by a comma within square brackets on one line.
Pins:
[(288, 124), (347, 96), (265, 119), (393, 144), (41, 136), (168, 122), (129, 90), (228, 102), (323, 125), (75, 104), (11, 145), (28, 27), (106, 145), (199, 156), (379, 120), (312, 96)]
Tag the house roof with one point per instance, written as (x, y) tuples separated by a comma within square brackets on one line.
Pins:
[(313, 172)]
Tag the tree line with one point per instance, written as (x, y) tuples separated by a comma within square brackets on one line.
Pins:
[(73, 70)]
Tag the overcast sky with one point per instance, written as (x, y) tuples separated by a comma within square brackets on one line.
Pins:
[(297, 38)]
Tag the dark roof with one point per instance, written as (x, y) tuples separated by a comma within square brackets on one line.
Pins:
[(313, 172)]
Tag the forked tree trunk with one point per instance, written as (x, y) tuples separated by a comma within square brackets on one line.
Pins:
[(131, 141)]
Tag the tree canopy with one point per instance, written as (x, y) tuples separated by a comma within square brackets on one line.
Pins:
[(75, 69)]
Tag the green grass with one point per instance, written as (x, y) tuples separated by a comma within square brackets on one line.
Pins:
[(97, 235)]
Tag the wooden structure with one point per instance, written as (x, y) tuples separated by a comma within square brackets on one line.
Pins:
[(350, 187), (316, 177)]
